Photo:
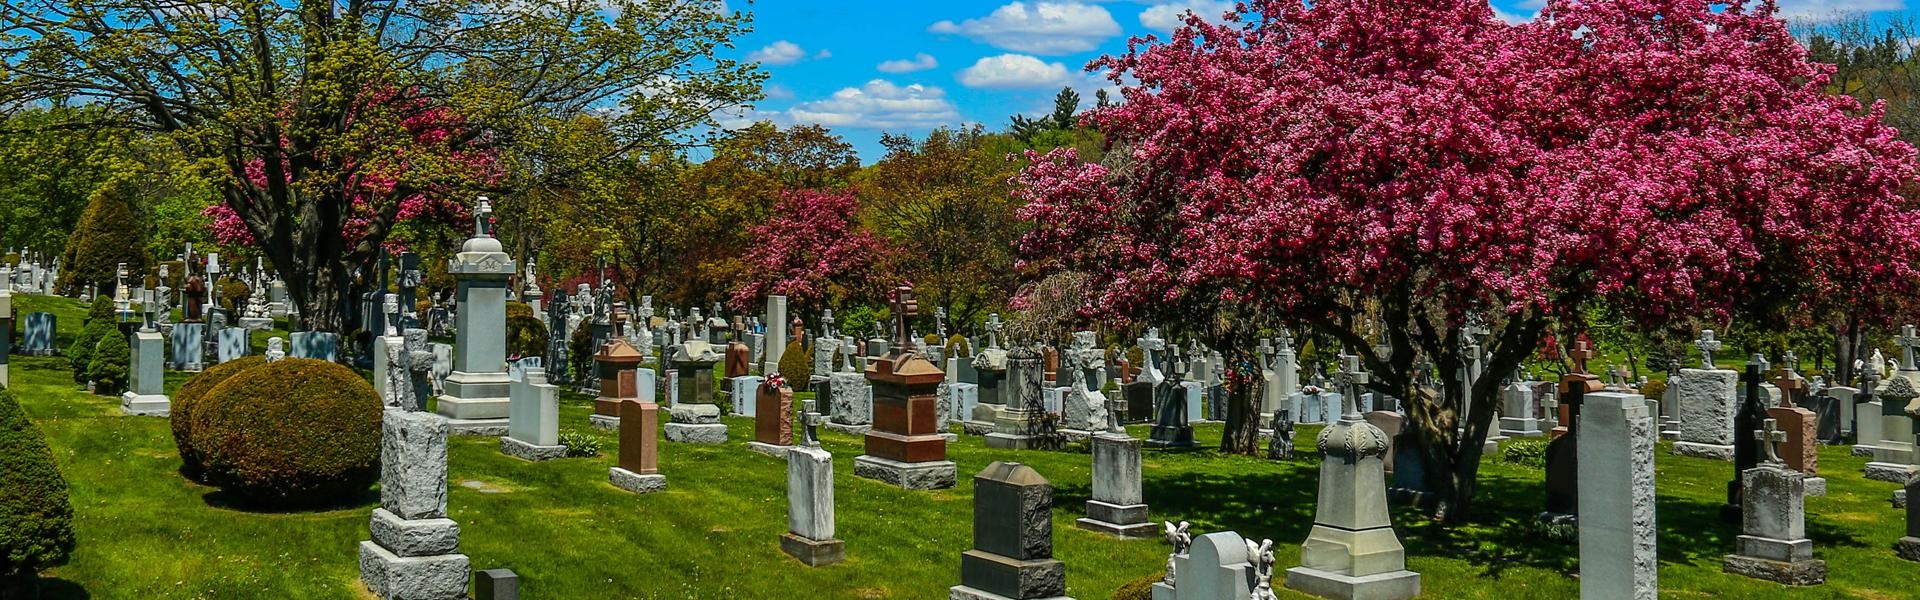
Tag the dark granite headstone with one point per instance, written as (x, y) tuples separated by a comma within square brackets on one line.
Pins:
[(496, 584), (1139, 397), (1563, 474), (1012, 555)]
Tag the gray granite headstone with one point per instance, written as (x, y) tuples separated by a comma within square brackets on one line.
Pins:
[(1617, 554), (37, 334), (232, 345), (496, 584), (1708, 405), (189, 346), (1012, 555)]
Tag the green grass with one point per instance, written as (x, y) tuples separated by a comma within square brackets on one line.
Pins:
[(145, 532)]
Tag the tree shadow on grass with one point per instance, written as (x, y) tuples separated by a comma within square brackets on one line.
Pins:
[(1257, 505), (54, 588), (225, 500)]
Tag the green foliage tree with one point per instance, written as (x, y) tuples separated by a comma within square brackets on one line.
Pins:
[(100, 325), (306, 112), (796, 364), (107, 235), (36, 519), (47, 173), (945, 201), (108, 369)]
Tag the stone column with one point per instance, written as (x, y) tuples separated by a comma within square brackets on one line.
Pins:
[(413, 553), (1617, 557), (1012, 555), (146, 396), (809, 535), (776, 340), (533, 431), (477, 392), (1117, 508), (1708, 406), (639, 470), (1352, 551)]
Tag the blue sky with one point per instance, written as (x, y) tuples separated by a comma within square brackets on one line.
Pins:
[(863, 67)]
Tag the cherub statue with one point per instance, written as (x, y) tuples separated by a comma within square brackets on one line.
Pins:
[(1181, 539), (1262, 556)]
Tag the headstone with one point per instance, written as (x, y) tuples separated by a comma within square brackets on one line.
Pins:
[(743, 393), (496, 584), (1173, 412), (906, 447), (146, 396), (1352, 551), (1909, 546), (639, 468), (414, 550), (316, 345), (1617, 555), (695, 418), (1283, 374), (773, 418), (533, 427), (1085, 407), (232, 345), (1773, 544), (37, 334), (1801, 451), (850, 403), (1892, 457), (477, 393), (1746, 451), (776, 341), (810, 536), (1020, 424), (1517, 411), (1708, 407), (6, 326), (189, 346), (617, 366), (1012, 555), (1117, 508), (1212, 566)]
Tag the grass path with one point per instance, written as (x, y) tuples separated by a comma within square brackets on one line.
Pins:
[(145, 532)]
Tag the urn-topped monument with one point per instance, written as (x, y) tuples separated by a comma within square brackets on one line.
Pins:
[(478, 393)]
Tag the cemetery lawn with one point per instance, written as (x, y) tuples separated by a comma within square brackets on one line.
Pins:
[(146, 532)]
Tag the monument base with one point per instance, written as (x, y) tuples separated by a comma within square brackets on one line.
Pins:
[(1805, 572), (530, 452), (604, 422), (489, 427), (847, 429), (1392, 585), (976, 427), (1010, 441), (689, 433), (1908, 548), (813, 553), (1166, 436), (157, 405), (1890, 472), (1815, 486), (256, 323), (1075, 435), (773, 450), (1708, 451), (475, 396), (1899, 498), (391, 576), (961, 592), (1129, 521), (930, 475), (635, 482), (1863, 450)]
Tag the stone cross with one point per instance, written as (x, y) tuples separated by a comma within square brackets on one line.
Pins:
[(905, 308), (482, 218), (994, 326), (393, 314), (940, 321), (826, 323), (1707, 346), (1769, 435), (1789, 381), (1908, 340), (1266, 350), (1352, 379), (1286, 339), (1580, 354)]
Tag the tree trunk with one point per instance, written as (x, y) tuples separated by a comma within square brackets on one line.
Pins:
[(1242, 435)]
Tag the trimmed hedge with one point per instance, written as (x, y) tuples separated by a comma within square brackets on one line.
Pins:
[(291, 433), (110, 368), (36, 519), (184, 401), (517, 308), (797, 365), (80, 354)]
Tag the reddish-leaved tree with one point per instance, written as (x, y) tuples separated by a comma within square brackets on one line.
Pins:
[(813, 250), (1427, 163)]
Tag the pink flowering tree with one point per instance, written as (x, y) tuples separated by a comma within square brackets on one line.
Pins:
[(813, 250), (1423, 163)]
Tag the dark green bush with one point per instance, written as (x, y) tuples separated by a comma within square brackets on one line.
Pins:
[(526, 336), (109, 368), (80, 354), (957, 346), (797, 365), (36, 520), (1138, 589), (233, 294), (580, 353), (519, 309), (108, 234), (290, 433), (188, 397), (1528, 452)]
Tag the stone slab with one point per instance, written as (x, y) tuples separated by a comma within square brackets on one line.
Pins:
[(813, 553), (711, 433), (393, 577), (1392, 585), (530, 452), (604, 422), (1707, 451), (1134, 531), (1806, 572), (1908, 548), (635, 482), (414, 537), (847, 429), (1890, 472), (930, 475), (961, 592), (480, 427), (137, 405), (772, 450)]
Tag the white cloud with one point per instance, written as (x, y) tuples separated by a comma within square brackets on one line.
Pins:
[(1170, 16), (879, 104), (1823, 9), (919, 62), (1009, 71), (823, 54), (778, 53), (1038, 28), (775, 91)]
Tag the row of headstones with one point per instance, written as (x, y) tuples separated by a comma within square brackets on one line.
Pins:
[(31, 277)]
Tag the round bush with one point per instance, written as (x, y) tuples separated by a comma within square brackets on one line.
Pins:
[(188, 397), (797, 365), (580, 352), (109, 367), (517, 308), (80, 354), (526, 336), (36, 520), (290, 433)]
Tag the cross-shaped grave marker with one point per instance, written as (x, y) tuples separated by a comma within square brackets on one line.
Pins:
[(1707, 345), (1769, 435), (1352, 379)]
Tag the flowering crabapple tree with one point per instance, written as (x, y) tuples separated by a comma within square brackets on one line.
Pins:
[(813, 250), (1426, 164)]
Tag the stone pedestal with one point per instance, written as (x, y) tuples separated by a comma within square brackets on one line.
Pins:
[(639, 470), (1012, 555), (146, 397), (1117, 508), (905, 446), (477, 394), (696, 424), (1774, 545), (616, 364), (810, 537), (1709, 404), (414, 550), (533, 432), (776, 339), (1617, 554), (1352, 551)]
